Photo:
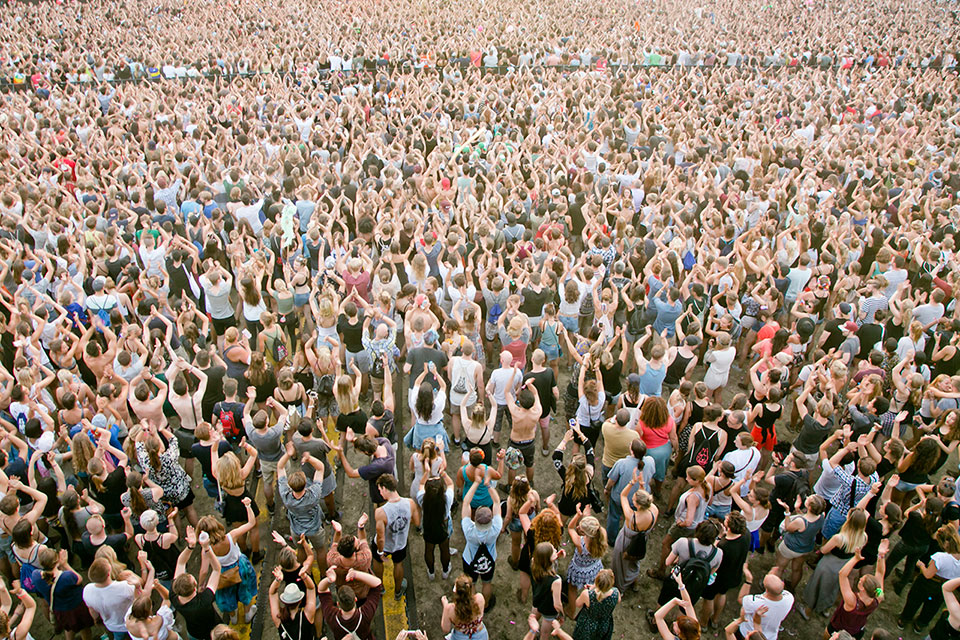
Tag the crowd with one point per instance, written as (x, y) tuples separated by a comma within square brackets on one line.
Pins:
[(558, 281)]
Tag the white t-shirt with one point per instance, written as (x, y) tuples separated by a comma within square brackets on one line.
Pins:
[(744, 462), (777, 610), (111, 603), (798, 278)]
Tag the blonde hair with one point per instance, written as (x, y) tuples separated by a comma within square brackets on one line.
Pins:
[(853, 533), (343, 392), (107, 553), (229, 471), (596, 536)]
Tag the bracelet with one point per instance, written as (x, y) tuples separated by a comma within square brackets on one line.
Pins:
[(191, 546), (682, 587)]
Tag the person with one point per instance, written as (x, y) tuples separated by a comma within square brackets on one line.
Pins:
[(267, 439), (698, 557), (393, 519), (857, 605), (145, 622), (765, 611), (547, 587), (435, 499), (292, 610), (383, 460), (948, 623), (595, 606), (622, 474), (238, 580), (480, 532), (195, 604), (640, 515), (344, 617), (462, 618), (21, 631), (545, 382), (525, 412), (801, 527), (301, 497), (108, 600), (590, 547), (735, 546), (923, 599), (61, 587), (686, 626), (822, 589)]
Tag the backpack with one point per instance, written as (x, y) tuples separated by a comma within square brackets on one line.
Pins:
[(493, 315), (278, 350), (696, 571), (228, 424), (325, 385)]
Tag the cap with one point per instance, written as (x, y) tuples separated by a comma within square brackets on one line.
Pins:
[(513, 458), (98, 283), (291, 594), (634, 378), (430, 337), (845, 307), (850, 325), (483, 516)]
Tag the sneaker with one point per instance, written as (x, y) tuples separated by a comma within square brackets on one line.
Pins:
[(445, 573), (454, 551), (251, 612), (431, 576), (256, 558), (544, 452), (900, 624), (490, 605), (399, 593)]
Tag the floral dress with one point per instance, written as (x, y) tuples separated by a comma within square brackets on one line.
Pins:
[(170, 476), (596, 621), (583, 567)]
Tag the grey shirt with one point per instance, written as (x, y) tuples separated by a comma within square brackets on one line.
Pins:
[(269, 444), (304, 513), (316, 448)]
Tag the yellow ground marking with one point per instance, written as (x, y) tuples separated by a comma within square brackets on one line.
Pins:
[(334, 436), (242, 626), (394, 611)]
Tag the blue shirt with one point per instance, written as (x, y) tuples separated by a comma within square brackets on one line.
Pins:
[(667, 315), (622, 474), (475, 536)]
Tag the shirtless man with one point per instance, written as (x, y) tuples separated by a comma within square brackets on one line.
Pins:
[(148, 409), (525, 412), (94, 356)]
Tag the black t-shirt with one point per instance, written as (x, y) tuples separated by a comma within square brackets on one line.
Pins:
[(214, 391), (416, 358), (869, 335), (356, 420), (88, 550), (812, 435), (113, 489), (384, 425), (203, 454), (199, 614), (544, 382), (835, 337), (352, 333), (533, 301)]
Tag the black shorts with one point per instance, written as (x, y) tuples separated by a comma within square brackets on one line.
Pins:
[(397, 556), (528, 450), (478, 577), (186, 439), (187, 500), (221, 326)]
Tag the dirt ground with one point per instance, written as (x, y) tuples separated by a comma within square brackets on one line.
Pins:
[(422, 609)]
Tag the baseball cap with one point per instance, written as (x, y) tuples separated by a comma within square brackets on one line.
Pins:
[(850, 325)]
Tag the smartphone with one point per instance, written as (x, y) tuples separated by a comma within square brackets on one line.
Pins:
[(675, 571)]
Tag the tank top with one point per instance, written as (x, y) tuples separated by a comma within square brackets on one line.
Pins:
[(677, 369), (854, 621), (163, 560), (549, 336), (543, 596), (804, 541), (398, 525), (651, 382), (699, 514), (297, 629), (943, 631)]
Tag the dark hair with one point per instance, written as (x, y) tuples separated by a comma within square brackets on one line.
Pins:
[(706, 532)]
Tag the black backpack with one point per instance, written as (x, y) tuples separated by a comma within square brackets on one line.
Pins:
[(696, 571)]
